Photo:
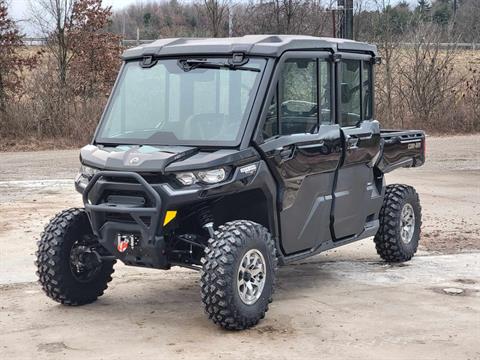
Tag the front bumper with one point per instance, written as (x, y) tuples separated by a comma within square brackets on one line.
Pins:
[(108, 201), (142, 219)]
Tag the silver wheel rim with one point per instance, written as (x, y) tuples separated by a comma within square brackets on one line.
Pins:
[(251, 277), (407, 223)]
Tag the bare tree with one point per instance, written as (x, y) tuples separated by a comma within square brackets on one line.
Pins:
[(320, 17), (289, 8), (307, 17), (359, 7), (427, 76), (12, 61), (79, 68), (54, 19), (388, 41), (76, 40), (471, 96), (467, 21), (216, 12)]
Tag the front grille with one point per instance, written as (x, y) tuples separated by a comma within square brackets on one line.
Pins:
[(126, 197), (125, 218), (151, 178), (117, 217)]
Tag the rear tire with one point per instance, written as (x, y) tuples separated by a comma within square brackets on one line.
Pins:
[(238, 276), (400, 224), (64, 278)]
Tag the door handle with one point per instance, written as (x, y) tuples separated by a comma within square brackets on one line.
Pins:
[(363, 136), (352, 142), (312, 146), (286, 153)]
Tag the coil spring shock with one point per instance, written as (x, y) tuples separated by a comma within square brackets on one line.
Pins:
[(204, 214), (205, 218)]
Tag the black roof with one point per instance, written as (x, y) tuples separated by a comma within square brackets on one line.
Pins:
[(263, 45)]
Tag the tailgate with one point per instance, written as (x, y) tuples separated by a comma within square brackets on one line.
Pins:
[(401, 148)]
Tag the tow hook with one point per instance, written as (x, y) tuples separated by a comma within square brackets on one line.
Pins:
[(122, 246)]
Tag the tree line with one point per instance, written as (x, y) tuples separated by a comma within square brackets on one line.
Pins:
[(217, 18), (58, 91)]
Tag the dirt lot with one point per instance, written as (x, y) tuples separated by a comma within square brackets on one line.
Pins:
[(341, 304)]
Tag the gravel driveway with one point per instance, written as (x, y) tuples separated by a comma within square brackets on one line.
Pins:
[(344, 303)]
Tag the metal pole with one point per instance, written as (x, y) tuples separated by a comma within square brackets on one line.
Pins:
[(349, 19)]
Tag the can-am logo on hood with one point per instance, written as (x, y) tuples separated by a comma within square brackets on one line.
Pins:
[(135, 160)]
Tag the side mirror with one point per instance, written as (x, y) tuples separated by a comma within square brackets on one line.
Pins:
[(376, 60)]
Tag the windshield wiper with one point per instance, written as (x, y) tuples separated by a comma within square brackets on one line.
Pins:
[(191, 64)]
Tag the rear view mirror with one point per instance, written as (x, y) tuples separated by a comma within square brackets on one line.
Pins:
[(302, 64)]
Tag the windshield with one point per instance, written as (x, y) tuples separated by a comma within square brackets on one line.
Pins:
[(181, 102)]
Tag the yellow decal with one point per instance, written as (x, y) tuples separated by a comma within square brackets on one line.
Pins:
[(169, 216)]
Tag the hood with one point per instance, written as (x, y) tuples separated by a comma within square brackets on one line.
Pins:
[(134, 157), (160, 158)]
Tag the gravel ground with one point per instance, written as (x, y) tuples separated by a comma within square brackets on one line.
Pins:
[(344, 303)]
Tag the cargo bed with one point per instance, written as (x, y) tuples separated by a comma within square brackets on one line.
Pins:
[(401, 148)]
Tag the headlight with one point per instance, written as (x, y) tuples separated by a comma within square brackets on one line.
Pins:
[(213, 176), (87, 171), (187, 178), (85, 174)]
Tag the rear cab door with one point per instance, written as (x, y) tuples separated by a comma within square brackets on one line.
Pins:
[(302, 145), (357, 194)]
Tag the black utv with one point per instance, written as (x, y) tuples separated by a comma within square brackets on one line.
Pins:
[(233, 156)]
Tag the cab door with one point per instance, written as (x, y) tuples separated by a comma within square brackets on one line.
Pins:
[(356, 197), (303, 148)]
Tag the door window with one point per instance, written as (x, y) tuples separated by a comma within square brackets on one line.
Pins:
[(302, 85), (298, 94), (350, 92), (270, 128), (325, 90), (356, 92), (367, 90)]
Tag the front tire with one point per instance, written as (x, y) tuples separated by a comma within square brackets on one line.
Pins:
[(238, 276), (400, 224), (67, 262)]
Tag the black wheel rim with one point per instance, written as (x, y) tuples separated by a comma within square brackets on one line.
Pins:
[(85, 263)]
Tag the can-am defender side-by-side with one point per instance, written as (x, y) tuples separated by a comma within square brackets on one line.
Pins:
[(233, 156)]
